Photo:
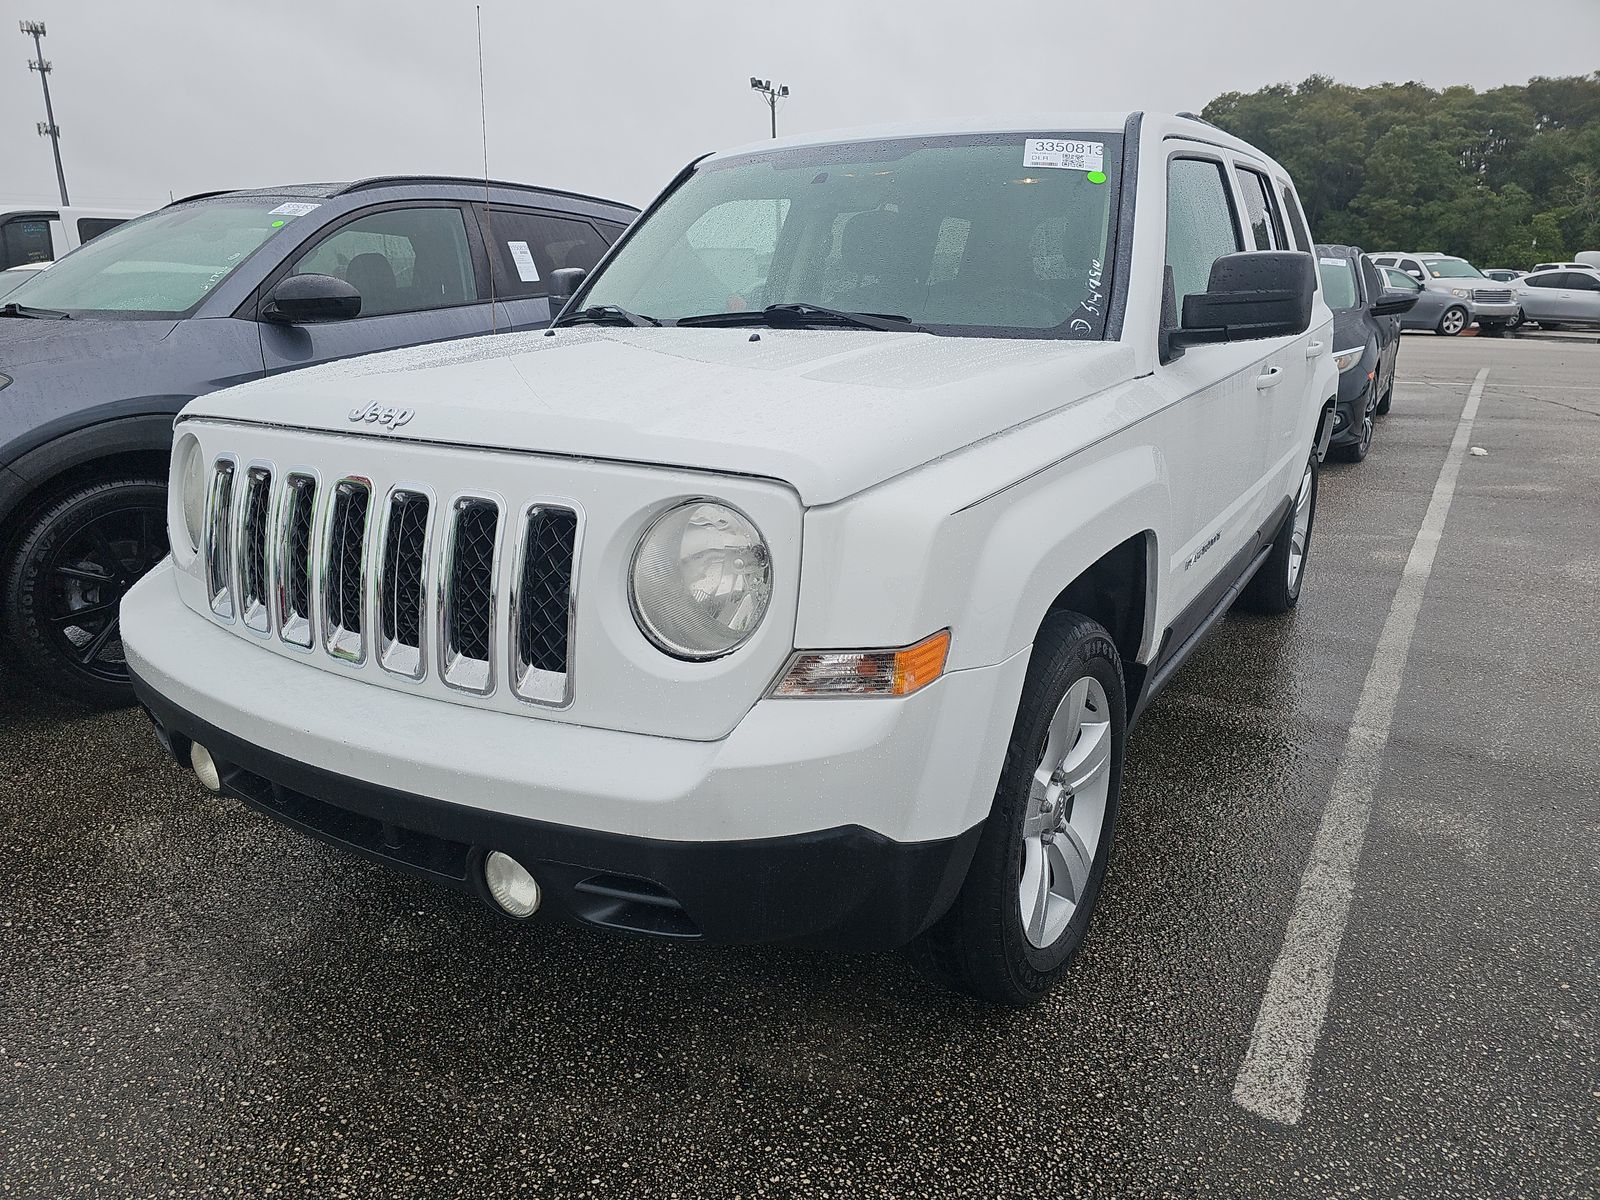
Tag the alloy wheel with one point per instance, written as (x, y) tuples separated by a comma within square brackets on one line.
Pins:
[(1066, 812), (88, 573), (1302, 526)]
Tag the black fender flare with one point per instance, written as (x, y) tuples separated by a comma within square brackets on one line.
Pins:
[(24, 477)]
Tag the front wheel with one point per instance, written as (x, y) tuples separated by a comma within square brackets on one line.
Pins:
[(73, 563), (1453, 321), (1025, 906), (1275, 587), (1357, 450)]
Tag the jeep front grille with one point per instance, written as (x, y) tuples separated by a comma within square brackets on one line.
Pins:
[(467, 599), (334, 568), (294, 560), (253, 541), (402, 603), (344, 574)]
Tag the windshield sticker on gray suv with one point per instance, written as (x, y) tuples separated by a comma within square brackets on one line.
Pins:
[(1063, 155)]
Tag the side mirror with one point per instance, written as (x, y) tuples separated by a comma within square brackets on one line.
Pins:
[(564, 284), (1418, 276), (1391, 302), (311, 299), (1258, 294)]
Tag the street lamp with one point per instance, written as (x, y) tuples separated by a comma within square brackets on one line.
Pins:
[(772, 95)]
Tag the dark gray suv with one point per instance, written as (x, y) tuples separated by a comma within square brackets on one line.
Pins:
[(98, 353)]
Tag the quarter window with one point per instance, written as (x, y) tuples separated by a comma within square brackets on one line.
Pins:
[(1264, 223), (401, 260), (1297, 219), (1201, 227)]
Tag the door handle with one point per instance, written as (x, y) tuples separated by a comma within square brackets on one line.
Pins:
[(1269, 378), (1313, 349)]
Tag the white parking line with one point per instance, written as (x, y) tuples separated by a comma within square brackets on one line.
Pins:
[(1273, 1078)]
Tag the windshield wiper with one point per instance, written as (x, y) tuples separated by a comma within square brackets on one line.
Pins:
[(803, 315), (606, 314), (40, 314)]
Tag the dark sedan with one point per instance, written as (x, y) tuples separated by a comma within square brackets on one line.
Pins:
[(1366, 344), (98, 354)]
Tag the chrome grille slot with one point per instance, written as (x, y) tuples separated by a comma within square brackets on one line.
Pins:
[(299, 509), (344, 575), (219, 539), (1492, 296), (402, 583), (467, 595), (542, 605), (254, 537)]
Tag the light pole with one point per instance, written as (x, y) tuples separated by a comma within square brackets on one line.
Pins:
[(772, 95), (35, 30)]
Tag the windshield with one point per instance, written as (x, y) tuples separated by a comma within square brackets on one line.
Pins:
[(1452, 268), (1338, 283), (993, 234), (161, 265)]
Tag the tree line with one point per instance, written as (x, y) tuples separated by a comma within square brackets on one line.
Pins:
[(1505, 178)]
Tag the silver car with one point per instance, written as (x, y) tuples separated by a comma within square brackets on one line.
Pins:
[(1557, 298), (1469, 296)]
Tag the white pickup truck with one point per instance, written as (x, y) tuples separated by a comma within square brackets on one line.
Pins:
[(802, 583)]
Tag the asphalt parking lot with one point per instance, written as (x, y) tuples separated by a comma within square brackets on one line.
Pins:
[(195, 1001)]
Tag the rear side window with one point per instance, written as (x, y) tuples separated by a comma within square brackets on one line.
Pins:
[(25, 240), (1297, 219), (1265, 226), (1201, 227), (525, 246), (400, 260), (1582, 281), (90, 228)]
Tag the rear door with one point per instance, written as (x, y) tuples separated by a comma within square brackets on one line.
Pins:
[(418, 267), (1388, 328), (1540, 296)]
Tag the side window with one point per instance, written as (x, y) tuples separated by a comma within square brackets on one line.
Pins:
[(526, 246), (401, 260), (1297, 219), (1583, 281), (1201, 227), (25, 240), (90, 228), (1370, 280), (1413, 268), (1540, 281), (611, 231), (1265, 224)]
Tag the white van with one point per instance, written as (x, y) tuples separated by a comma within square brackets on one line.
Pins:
[(43, 233)]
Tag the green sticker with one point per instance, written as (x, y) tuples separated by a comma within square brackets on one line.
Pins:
[(1097, 176), (278, 224)]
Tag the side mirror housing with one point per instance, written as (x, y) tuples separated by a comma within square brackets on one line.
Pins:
[(1259, 294), (1391, 302), (310, 300), (564, 284)]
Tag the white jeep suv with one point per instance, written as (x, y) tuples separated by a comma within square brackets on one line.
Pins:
[(803, 582)]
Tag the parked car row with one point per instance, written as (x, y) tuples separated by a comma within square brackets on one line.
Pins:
[(44, 233), (1552, 295)]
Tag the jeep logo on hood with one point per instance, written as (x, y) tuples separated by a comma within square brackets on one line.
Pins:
[(381, 414)]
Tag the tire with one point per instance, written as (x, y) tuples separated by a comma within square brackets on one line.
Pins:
[(985, 945), (1275, 588), (1383, 404), (76, 558), (1358, 450), (1453, 321), (1515, 323)]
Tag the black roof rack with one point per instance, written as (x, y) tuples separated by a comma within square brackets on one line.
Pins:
[(378, 181), (200, 196)]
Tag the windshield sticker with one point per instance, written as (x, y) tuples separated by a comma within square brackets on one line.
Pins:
[(1097, 176), (523, 257), (294, 208), (1333, 262), (1063, 155)]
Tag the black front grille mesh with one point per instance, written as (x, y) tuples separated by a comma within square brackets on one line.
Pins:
[(401, 604), (471, 600), (257, 504), (301, 505), (545, 587), (346, 545)]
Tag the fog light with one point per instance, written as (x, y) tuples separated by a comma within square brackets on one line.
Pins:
[(205, 767), (510, 885)]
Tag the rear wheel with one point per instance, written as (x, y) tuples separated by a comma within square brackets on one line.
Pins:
[(1024, 910), (73, 563), (1453, 321), (1275, 587), (1515, 323)]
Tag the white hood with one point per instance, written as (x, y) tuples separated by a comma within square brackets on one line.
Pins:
[(830, 412)]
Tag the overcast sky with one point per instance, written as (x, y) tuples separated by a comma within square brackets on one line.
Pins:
[(155, 96)]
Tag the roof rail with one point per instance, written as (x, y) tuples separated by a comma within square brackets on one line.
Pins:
[(378, 181)]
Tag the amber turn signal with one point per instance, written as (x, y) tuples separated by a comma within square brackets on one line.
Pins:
[(897, 672)]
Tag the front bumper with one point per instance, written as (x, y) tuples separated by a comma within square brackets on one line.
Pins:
[(845, 822), (1354, 386), (1493, 312)]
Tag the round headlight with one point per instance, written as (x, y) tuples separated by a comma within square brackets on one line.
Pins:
[(702, 579), (192, 481)]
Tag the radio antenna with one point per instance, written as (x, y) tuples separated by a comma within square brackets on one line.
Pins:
[(488, 219)]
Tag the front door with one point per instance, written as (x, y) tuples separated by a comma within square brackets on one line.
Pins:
[(415, 270)]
